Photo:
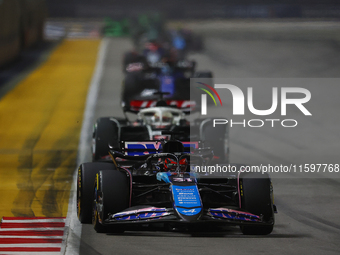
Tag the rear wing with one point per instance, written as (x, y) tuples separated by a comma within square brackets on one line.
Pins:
[(135, 106), (140, 148)]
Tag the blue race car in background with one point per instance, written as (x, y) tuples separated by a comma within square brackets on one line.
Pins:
[(143, 79)]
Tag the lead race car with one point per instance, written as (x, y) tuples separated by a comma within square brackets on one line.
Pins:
[(164, 188)]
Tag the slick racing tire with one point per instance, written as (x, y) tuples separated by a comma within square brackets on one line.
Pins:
[(217, 138), (105, 133), (256, 198), (111, 195), (86, 176)]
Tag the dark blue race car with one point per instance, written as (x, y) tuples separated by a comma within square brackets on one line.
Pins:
[(164, 187)]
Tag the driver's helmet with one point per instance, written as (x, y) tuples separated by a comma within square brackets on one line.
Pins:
[(183, 164), (171, 165), (161, 120), (152, 46), (170, 57), (152, 53)]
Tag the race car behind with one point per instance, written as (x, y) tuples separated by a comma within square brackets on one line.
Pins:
[(154, 123)]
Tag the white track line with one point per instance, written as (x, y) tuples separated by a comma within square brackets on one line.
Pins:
[(73, 228)]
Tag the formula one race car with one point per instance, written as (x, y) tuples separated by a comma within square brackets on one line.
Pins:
[(150, 30), (153, 124), (142, 79), (158, 69), (164, 188)]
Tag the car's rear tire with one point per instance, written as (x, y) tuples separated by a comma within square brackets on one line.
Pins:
[(111, 195), (105, 133), (256, 198), (86, 176), (132, 86)]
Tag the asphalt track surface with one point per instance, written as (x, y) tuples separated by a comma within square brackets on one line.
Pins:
[(308, 221)]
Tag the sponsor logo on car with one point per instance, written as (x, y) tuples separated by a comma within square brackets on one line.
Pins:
[(144, 148)]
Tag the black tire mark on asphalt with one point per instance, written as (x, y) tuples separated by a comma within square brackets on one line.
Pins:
[(29, 184), (23, 201)]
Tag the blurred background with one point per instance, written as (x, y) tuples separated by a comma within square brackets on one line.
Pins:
[(22, 22), (195, 9)]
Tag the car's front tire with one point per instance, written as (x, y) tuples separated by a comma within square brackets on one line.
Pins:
[(256, 198), (85, 179), (111, 195)]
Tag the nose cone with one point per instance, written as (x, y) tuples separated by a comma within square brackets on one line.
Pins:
[(186, 201)]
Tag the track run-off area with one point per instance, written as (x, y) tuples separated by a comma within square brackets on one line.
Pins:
[(40, 123)]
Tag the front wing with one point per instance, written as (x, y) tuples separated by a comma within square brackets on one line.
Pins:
[(154, 214)]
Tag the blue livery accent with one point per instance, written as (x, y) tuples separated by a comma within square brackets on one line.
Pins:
[(141, 214), (189, 212), (151, 148), (163, 176), (230, 214), (179, 42), (168, 85), (188, 197)]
